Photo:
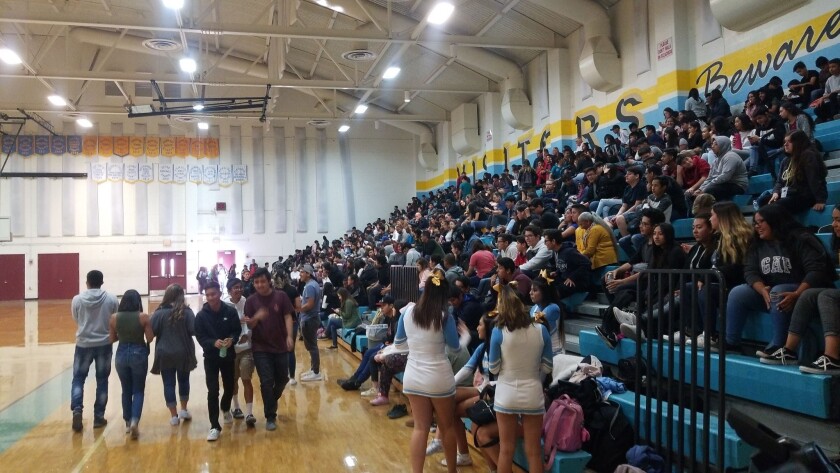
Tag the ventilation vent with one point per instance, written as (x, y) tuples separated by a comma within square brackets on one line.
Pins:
[(161, 44), (172, 91), (111, 90), (318, 123), (142, 89), (186, 119), (359, 55)]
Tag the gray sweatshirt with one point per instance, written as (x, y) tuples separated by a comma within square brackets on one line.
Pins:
[(728, 168), (92, 311)]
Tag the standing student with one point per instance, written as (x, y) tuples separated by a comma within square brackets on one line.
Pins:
[(92, 311), (244, 365), (133, 329), (310, 321), (174, 326), (282, 283), (268, 314), (217, 328)]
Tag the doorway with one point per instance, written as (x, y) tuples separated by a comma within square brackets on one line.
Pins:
[(12, 278), (58, 276), (165, 268)]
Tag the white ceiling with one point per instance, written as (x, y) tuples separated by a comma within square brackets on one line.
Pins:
[(56, 60)]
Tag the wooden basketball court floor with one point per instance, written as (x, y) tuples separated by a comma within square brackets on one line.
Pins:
[(321, 428)]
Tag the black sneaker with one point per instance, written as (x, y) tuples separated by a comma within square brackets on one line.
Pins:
[(823, 365), (398, 411), (99, 422), (250, 420), (781, 356), (767, 351), (608, 338), (77, 421), (238, 414), (350, 385)]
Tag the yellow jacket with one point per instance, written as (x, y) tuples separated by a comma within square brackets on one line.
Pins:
[(597, 245)]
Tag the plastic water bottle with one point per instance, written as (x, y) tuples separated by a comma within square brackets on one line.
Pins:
[(222, 352), (755, 205)]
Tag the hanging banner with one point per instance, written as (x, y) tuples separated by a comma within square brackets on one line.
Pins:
[(115, 172), (9, 144), (89, 144), (135, 146), (167, 146), (145, 172), (130, 173), (58, 145), (196, 174), (42, 144), (165, 172), (211, 147), (240, 173), (225, 176), (121, 146), (182, 146), (98, 172), (74, 144), (210, 174), (197, 147), (179, 173), (152, 146), (106, 146), (24, 145)]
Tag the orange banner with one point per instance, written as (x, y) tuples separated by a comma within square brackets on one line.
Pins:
[(89, 144), (121, 145), (152, 146), (167, 146), (211, 147), (182, 146), (106, 146), (197, 147), (135, 146)]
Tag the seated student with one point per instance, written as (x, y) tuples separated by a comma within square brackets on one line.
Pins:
[(329, 304), (813, 301), (571, 270), (346, 317), (658, 199), (423, 271), (465, 308), (569, 225), (539, 257), (766, 143), (521, 251), (827, 106), (795, 119), (546, 305), (620, 284), (801, 89), (482, 263), (507, 245), (634, 195), (387, 314), (631, 243), (692, 171), (547, 219), (506, 272), (783, 261), (728, 176), (595, 240), (801, 183)]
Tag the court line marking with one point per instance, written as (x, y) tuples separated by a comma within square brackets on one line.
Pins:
[(92, 449)]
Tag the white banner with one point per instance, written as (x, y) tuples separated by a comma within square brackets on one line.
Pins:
[(165, 172), (115, 172), (179, 174), (210, 174), (196, 173), (130, 173), (98, 172), (146, 172), (225, 176), (240, 173)]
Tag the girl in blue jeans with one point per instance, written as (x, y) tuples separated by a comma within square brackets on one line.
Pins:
[(133, 329), (783, 261)]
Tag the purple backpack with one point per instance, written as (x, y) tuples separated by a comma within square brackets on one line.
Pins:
[(562, 428)]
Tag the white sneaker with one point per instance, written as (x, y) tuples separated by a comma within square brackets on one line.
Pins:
[(184, 414), (292, 381), (701, 340), (307, 372), (213, 435), (435, 446), (463, 459), (677, 339), (631, 332), (174, 420), (228, 417), (372, 392), (312, 377), (623, 317)]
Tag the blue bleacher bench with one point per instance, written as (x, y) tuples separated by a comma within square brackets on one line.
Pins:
[(576, 299), (759, 184), (683, 228)]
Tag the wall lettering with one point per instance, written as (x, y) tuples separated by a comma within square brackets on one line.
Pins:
[(592, 121)]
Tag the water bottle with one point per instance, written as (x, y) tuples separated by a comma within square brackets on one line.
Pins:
[(755, 205), (222, 352)]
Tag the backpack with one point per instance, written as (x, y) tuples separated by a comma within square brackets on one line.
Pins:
[(563, 428), (610, 437)]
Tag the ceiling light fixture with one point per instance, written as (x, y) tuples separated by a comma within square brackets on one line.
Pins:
[(361, 108), (406, 96), (173, 4), (57, 100), (440, 13), (9, 57), (391, 72), (84, 123), (188, 65), (203, 126), (198, 107), (343, 128)]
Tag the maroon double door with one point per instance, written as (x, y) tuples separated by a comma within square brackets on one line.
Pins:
[(167, 267), (58, 276), (12, 277)]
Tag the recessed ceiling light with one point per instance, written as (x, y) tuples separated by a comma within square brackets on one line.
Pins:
[(440, 13), (84, 123), (198, 107), (406, 96), (57, 100), (173, 4), (361, 108), (343, 128), (9, 57), (188, 65), (391, 72), (203, 125)]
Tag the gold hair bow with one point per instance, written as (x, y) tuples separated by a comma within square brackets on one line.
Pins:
[(492, 313), (497, 287), (544, 275), (436, 280), (539, 317)]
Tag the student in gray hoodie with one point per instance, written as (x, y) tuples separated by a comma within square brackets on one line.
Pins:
[(728, 176), (92, 310)]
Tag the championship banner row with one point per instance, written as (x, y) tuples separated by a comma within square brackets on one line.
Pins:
[(107, 146), (208, 174)]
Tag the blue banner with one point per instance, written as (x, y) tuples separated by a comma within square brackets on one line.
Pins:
[(42, 144), (58, 145), (74, 144), (24, 145), (8, 144)]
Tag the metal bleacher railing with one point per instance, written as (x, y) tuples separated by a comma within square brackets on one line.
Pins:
[(676, 394), (405, 283)]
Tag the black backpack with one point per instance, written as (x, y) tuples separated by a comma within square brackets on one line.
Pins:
[(610, 437), (586, 393)]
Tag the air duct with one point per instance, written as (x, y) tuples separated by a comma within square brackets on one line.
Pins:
[(465, 137), (747, 14)]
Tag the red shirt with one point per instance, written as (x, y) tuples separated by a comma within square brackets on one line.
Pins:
[(269, 335), (483, 261), (701, 169)]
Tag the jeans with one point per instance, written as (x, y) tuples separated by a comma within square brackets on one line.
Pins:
[(332, 329), (363, 371), (273, 369), (692, 299), (605, 206), (763, 160), (82, 359), (213, 367), (631, 243), (168, 376), (292, 357), (309, 330), (132, 364), (744, 300)]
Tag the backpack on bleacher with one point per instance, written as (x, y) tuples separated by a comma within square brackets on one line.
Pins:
[(563, 429), (610, 437)]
